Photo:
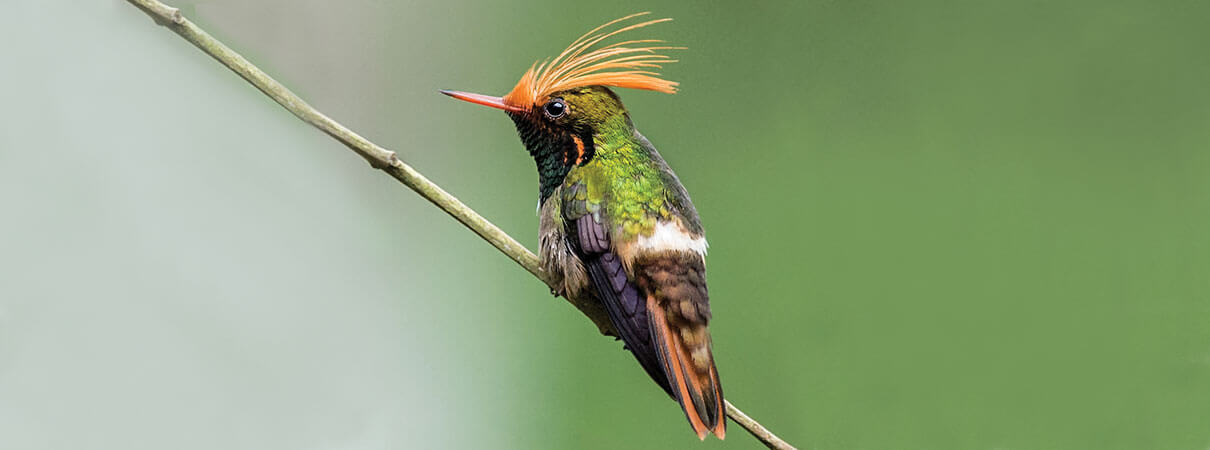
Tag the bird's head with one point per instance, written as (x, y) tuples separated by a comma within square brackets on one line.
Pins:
[(561, 106)]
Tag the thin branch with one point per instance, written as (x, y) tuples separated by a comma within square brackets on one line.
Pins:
[(758, 431), (378, 157), (387, 161)]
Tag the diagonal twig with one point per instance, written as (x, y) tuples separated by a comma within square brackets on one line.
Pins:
[(387, 161)]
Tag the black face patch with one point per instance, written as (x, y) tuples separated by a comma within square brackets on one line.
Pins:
[(556, 148)]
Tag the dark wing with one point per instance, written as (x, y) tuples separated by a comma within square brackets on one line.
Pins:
[(589, 239), (662, 316)]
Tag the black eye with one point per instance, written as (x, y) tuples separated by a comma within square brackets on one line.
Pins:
[(555, 108)]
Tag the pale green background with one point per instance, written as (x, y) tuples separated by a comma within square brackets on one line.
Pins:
[(933, 225)]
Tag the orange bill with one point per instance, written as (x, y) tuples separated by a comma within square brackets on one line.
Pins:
[(480, 99)]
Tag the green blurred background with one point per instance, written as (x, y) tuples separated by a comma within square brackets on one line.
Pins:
[(933, 225)]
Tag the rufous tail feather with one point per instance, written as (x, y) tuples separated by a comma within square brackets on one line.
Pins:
[(696, 388)]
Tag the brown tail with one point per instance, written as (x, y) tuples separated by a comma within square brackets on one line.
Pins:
[(684, 351)]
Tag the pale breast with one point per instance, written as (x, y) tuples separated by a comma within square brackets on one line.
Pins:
[(557, 258)]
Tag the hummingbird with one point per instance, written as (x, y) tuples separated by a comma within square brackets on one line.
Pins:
[(615, 224)]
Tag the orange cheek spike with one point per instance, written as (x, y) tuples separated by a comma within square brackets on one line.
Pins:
[(579, 149)]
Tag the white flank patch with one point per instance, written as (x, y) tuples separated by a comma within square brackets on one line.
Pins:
[(672, 236)]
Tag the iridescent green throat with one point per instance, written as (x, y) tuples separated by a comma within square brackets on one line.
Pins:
[(559, 143), (554, 151)]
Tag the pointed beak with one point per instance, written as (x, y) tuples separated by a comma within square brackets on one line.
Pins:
[(485, 100)]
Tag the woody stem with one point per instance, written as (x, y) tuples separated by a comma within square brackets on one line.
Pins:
[(387, 161)]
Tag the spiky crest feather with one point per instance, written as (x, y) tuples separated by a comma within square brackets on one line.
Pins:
[(574, 68)]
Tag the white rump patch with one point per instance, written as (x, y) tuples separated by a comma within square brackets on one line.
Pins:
[(672, 236)]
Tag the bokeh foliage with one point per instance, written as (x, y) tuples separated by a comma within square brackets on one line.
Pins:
[(932, 224)]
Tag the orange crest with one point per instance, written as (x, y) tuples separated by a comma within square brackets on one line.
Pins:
[(627, 64)]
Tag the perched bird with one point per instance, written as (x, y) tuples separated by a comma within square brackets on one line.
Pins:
[(616, 224)]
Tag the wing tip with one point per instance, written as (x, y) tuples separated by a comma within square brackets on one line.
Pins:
[(720, 428)]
